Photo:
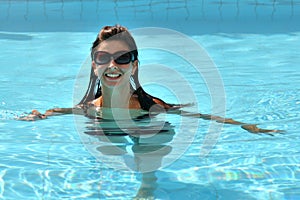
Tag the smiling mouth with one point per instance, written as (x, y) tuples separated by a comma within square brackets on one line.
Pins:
[(110, 75)]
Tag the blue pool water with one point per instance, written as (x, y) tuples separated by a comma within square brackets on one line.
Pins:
[(255, 48)]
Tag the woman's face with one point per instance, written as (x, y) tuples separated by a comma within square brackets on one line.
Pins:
[(111, 70)]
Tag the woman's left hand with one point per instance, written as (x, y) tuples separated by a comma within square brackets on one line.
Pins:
[(33, 116)]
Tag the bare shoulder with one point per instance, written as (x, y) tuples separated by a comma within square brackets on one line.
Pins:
[(134, 102), (97, 102)]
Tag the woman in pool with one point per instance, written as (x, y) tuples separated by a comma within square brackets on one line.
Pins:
[(114, 72)]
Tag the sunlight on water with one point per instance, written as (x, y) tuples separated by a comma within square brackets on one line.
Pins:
[(238, 159), (65, 157)]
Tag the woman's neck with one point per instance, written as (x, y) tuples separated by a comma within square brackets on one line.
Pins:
[(116, 97)]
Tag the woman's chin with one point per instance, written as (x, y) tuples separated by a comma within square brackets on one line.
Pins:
[(111, 82)]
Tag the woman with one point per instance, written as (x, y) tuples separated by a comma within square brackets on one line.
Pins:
[(114, 72)]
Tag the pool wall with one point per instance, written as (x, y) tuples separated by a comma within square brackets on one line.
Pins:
[(193, 17)]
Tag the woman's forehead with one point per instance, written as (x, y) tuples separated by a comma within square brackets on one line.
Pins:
[(112, 46)]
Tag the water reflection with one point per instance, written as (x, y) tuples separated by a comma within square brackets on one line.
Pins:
[(140, 148)]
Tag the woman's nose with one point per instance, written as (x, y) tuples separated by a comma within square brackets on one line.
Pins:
[(112, 67), (112, 62)]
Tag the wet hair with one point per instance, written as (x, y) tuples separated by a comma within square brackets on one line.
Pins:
[(120, 33)]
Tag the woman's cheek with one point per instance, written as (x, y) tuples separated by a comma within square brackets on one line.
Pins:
[(100, 71)]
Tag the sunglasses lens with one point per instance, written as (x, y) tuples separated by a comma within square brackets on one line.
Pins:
[(125, 58), (101, 57)]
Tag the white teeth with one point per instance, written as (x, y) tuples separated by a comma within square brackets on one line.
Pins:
[(113, 75)]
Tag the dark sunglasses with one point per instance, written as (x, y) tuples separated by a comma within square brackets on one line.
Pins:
[(121, 57)]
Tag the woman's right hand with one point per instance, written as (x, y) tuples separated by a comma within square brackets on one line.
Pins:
[(36, 115)]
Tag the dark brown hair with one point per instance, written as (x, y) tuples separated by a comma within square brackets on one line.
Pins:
[(120, 33)]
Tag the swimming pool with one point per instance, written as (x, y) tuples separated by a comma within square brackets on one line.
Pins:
[(255, 47)]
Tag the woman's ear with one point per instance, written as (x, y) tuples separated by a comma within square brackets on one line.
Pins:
[(134, 66)]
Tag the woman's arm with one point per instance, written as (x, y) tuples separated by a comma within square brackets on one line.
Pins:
[(252, 128), (36, 115)]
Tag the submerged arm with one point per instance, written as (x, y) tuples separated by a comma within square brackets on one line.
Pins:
[(36, 115), (252, 128)]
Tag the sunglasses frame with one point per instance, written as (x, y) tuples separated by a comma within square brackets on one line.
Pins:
[(114, 57)]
